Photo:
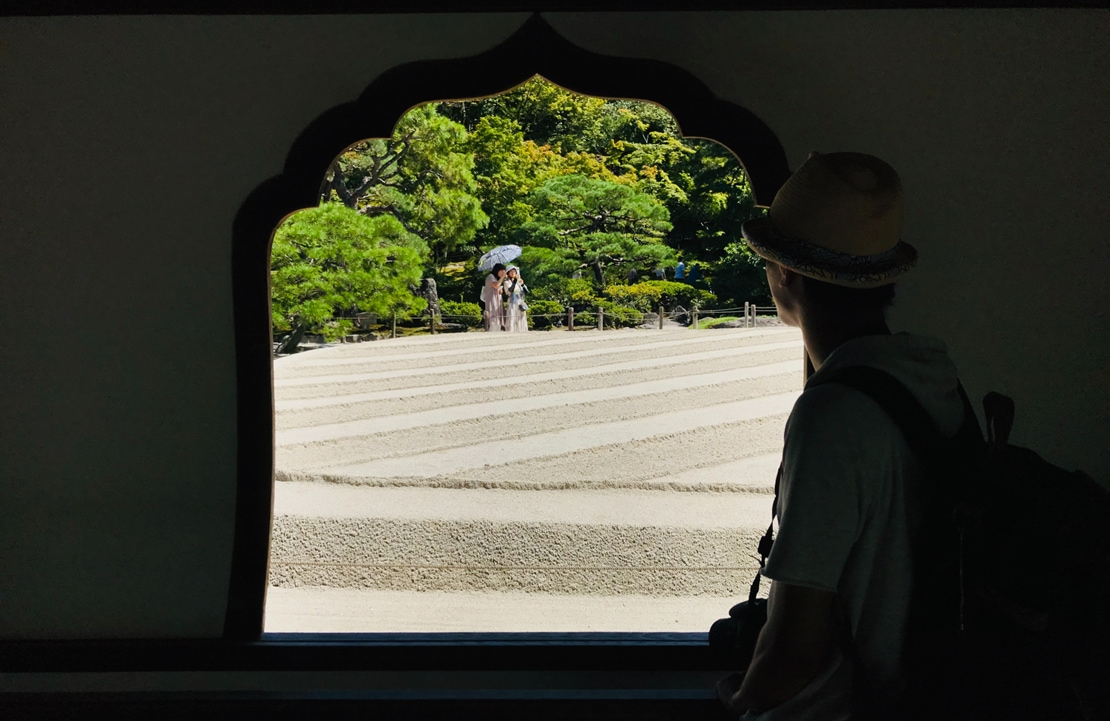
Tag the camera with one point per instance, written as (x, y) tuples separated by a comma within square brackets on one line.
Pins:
[(733, 639)]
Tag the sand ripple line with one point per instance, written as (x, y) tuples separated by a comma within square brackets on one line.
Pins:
[(509, 451), (468, 412), (300, 366), (337, 453), (504, 376), (407, 371), (359, 410)]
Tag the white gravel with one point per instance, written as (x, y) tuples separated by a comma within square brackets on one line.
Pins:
[(320, 609), (572, 481)]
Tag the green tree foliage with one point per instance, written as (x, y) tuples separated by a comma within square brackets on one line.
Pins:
[(740, 276), (507, 169), (545, 313), (331, 260), (538, 131), (577, 293), (422, 176), (718, 199), (592, 224), (647, 296), (468, 314), (585, 185), (545, 113)]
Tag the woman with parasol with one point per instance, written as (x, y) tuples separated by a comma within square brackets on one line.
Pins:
[(516, 318), (493, 315)]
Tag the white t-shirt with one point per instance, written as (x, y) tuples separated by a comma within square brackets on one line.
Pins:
[(850, 500)]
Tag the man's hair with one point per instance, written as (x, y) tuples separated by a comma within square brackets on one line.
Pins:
[(840, 299), (499, 266)]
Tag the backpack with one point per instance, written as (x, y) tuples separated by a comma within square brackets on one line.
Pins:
[(1010, 617)]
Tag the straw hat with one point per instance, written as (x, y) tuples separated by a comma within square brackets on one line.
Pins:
[(838, 219)]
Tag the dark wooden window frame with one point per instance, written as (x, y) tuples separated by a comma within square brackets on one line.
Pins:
[(46, 8)]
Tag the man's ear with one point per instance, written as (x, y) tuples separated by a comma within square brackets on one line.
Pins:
[(780, 275)]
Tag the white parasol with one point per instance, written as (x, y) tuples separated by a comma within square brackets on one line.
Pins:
[(501, 254)]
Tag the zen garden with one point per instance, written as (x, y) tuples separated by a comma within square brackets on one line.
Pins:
[(602, 199), (473, 481)]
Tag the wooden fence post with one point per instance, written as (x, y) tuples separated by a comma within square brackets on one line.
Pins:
[(695, 318), (660, 316), (394, 333), (570, 318), (600, 318), (745, 314)]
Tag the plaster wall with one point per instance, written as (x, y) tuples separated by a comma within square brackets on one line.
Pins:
[(127, 145)]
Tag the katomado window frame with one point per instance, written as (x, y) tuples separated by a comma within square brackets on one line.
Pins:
[(535, 49)]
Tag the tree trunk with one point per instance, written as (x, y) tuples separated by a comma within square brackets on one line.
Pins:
[(289, 345), (598, 275)]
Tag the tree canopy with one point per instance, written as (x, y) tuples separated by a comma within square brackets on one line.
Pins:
[(332, 261), (585, 185), (422, 176), (595, 224)]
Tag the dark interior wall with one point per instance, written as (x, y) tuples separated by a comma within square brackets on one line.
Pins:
[(128, 144)]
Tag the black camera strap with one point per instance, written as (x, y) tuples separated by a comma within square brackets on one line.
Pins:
[(767, 541)]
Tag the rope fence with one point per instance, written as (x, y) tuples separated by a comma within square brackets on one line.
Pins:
[(596, 317)]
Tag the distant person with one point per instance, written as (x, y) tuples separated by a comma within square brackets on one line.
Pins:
[(852, 497), (661, 273), (695, 274), (493, 316), (680, 271), (632, 276), (516, 309)]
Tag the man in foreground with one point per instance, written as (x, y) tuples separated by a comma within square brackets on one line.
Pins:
[(851, 492)]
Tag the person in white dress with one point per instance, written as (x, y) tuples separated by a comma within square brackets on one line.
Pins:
[(493, 315), (516, 309)]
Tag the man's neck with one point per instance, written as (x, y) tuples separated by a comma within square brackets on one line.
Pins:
[(824, 335)]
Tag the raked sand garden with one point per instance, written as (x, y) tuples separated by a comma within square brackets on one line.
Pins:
[(544, 481)]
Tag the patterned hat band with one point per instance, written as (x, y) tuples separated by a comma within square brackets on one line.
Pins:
[(822, 263)]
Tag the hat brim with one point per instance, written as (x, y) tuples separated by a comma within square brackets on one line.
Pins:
[(830, 266)]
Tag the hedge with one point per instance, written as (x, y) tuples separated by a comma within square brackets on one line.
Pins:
[(620, 316), (453, 311), (649, 294), (537, 309)]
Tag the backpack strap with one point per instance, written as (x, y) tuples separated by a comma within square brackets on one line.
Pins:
[(926, 441), (939, 456), (918, 427)]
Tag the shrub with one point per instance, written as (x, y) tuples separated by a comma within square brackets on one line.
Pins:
[(649, 294), (717, 320), (538, 309), (576, 292), (333, 330), (620, 316), (469, 314), (697, 298)]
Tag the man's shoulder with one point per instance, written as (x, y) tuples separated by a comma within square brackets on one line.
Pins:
[(919, 363), (834, 404)]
